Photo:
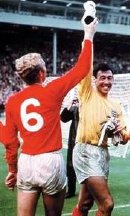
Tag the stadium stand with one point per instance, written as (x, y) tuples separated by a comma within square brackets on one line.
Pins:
[(43, 26)]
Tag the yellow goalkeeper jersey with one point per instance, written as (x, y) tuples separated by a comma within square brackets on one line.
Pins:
[(94, 110)]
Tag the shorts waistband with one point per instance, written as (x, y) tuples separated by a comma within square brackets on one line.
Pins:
[(96, 145), (93, 144)]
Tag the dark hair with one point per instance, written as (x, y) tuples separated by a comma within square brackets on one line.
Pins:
[(30, 76), (103, 67)]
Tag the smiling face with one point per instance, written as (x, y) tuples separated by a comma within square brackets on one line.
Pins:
[(104, 81)]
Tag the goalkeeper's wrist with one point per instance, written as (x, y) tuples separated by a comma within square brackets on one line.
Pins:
[(88, 36)]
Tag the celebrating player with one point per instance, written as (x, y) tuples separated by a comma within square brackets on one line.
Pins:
[(91, 157), (71, 113), (35, 114)]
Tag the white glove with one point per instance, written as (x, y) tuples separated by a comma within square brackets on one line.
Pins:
[(89, 16), (90, 29), (90, 11)]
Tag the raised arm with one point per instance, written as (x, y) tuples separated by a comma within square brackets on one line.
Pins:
[(83, 65)]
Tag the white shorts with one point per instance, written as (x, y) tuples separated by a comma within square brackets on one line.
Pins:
[(45, 172), (90, 160)]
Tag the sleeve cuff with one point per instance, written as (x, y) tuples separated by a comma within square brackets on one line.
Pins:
[(86, 41), (12, 168)]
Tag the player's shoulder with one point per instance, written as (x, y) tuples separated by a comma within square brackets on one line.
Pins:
[(115, 102), (13, 97)]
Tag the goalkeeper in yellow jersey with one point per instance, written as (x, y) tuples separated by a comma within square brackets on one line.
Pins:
[(100, 117)]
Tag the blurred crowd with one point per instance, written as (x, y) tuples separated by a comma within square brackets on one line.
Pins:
[(66, 57)]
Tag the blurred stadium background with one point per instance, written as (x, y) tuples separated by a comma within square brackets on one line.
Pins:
[(52, 28)]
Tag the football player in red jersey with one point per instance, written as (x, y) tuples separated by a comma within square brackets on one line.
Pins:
[(34, 112)]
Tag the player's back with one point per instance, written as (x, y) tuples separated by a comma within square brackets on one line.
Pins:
[(35, 113)]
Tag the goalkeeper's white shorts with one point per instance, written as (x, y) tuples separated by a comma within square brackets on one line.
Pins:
[(44, 172), (90, 160)]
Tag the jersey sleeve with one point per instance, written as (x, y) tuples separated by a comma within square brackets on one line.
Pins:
[(85, 86), (64, 84), (11, 141)]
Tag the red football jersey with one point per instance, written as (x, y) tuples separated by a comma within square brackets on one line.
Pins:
[(35, 112)]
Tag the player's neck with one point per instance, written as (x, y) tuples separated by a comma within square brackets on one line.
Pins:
[(40, 84)]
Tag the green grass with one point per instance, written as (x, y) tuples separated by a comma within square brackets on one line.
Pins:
[(119, 182)]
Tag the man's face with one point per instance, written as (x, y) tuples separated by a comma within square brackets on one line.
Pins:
[(104, 81)]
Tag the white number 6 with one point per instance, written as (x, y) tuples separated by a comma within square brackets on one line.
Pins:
[(25, 117)]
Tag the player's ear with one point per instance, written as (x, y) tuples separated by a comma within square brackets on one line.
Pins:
[(42, 75)]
